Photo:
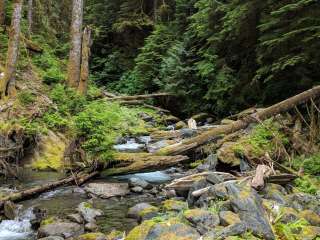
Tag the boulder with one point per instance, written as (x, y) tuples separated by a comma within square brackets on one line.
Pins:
[(228, 218), (77, 218), (142, 210), (138, 182), (176, 231), (93, 236), (202, 220), (187, 132), (311, 217), (274, 192), (172, 205), (214, 178), (303, 201), (107, 190), (227, 155), (60, 229), (88, 212), (91, 226), (246, 202), (137, 189), (222, 233)]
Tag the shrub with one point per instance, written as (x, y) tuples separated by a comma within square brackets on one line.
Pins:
[(26, 97)]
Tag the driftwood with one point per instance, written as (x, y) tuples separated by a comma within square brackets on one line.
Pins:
[(124, 163), (263, 114), (140, 97), (262, 172), (185, 183), (26, 194)]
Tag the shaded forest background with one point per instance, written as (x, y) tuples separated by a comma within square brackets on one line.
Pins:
[(220, 55)]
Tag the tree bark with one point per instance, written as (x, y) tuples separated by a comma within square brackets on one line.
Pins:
[(30, 16), (74, 64), (2, 12), (125, 163), (84, 75), (140, 97), (7, 85), (263, 114)]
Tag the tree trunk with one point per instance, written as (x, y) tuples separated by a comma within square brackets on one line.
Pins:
[(263, 114), (74, 64), (140, 97), (84, 75), (30, 16), (7, 86), (2, 12)]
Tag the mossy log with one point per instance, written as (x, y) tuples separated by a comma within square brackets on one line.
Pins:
[(125, 163), (201, 139), (78, 179), (140, 97)]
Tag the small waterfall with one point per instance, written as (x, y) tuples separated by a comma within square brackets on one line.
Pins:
[(18, 229)]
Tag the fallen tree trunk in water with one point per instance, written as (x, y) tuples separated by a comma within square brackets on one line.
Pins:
[(263, 114), (139, 97), (26, 194), (125, 163)]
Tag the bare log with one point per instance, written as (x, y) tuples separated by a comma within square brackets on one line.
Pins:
[(263, 114), (26, 194), (258, 180), (140, 97), (124, 163)]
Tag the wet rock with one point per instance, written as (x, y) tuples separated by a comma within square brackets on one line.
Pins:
[(60, 229), (202, 220), (52, 238), (176, 231), (91, 226), (274, 192), (130, 146), (311, 217), (232, 230), (93, 236), (174, 205), (303, 201), (10, 210), (188, 133), (228, 218), (138, 182), (144, 139), (214, 178), (88, 212), (288, 215), (248, 205), (137, 189), (107, 190), (141, 209), (227, 155), (158, 145), (77, 218)]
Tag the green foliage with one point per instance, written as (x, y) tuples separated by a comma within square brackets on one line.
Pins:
[(289, 230), (101, 123), (307, 184), (26, 98), (310, 165), (55, 121)]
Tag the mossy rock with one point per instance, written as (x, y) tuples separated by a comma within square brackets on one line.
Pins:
[(148, 213), (49, 220), (180, 125), (308, 233), (115, 235), (174, 205), (140, 232), (228, 218), (92, 236), (311, 217)]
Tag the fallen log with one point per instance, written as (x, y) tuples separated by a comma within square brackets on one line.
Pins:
[(261, 115), (26, 194), (140, 97), (125, 163), (262, 173)]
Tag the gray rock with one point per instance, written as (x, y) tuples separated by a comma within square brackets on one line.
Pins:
[(10, 210), (157, 145), (77, 218), (195, 186), (88, 212), (212, 161), (228, 218), (107, 190), (274, 192), (138, 182), (188, 133), (60, 229), (246, 202), (135, 210), (232, 230), (303, 201), (91, 227), (203, 168), (202, 220), (52, 238), (137, 189), (214, 178), (145, 117), (177, 231)]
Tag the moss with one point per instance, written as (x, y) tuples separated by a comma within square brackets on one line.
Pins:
[(91, 236), (115, 235), (173, 205), (87, 205), (196, 163), (50, 154), (141, 231), (49, 220), (147, 211)]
